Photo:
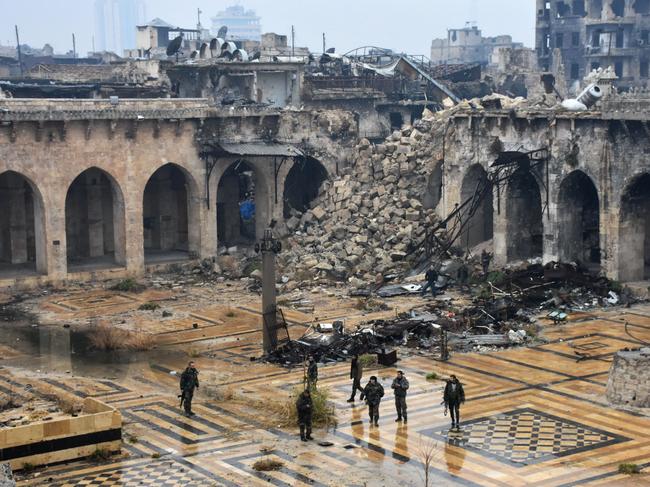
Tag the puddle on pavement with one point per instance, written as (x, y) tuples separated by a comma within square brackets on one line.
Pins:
[(47, 348)]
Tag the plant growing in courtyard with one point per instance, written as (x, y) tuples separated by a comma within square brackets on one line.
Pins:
[(323, 413), (149, 306), (106, 338), (127, 286), (267, 465), (368, 360), (629, 468), (100, 455)]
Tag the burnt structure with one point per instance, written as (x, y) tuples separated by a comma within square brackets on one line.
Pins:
[(575, 37)]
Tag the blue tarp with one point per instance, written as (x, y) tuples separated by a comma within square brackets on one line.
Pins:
[(247, 210)]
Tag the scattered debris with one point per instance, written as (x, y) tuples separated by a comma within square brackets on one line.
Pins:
[(6, 476), (267, 465)]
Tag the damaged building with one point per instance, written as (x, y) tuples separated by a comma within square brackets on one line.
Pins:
[(575, 37), (167, 161), (283, 222), (467, 45), (155, 181), (150, 181)]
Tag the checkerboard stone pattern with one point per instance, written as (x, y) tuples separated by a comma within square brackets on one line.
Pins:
[(158, 473), (526, 436)]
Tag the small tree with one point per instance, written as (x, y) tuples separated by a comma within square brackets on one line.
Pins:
[(427, 452)]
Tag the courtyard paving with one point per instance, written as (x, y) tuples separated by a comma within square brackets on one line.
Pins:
[(533, 416)]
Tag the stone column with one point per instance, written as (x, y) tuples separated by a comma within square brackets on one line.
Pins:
[(500, 237), (264, 193), (551, 222), (57, 261), (130, 244), (95, 216)]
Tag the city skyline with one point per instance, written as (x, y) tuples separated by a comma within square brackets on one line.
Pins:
[(346, 25)]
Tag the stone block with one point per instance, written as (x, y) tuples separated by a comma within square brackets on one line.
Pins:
[(318, 213)]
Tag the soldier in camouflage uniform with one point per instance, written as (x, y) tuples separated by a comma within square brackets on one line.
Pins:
[(189, 381)]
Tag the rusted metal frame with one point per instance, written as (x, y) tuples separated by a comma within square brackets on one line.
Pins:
[(276, 171)]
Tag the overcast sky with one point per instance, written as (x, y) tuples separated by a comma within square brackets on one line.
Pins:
[(407, 26)]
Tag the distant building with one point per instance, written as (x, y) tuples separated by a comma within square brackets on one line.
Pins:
[(115, 23), (467, 45), (153, 38), (276, 47), (243, 25), (578, 36)]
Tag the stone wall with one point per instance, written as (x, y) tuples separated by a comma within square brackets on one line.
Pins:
[(45, 442), (584, 198), (629, 379), (49, 143), (608, 149)]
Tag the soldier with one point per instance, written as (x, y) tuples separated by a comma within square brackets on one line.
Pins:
[(305, 405), (462, 275), (400, 386), (453, 398), (312, 373), (356, 373), (189, 381), (374, 391), (486, 257), (432, 277)]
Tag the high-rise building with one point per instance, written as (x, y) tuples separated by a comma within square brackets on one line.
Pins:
[(582, 35), (243, 25), (115, 24)]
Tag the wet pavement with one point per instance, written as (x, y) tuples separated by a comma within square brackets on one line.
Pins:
[(533, 416)]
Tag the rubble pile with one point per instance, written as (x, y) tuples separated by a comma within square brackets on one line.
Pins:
[(537, 287), (504, 312), (370, 219), (411, 330)]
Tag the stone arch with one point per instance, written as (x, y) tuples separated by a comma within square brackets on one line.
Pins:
[(578, 213), (480, 227), (302, 184), (634, 230), (95, 221), (22, 226), (433, 193), (525, 227), (168, 215), (242, 204)]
